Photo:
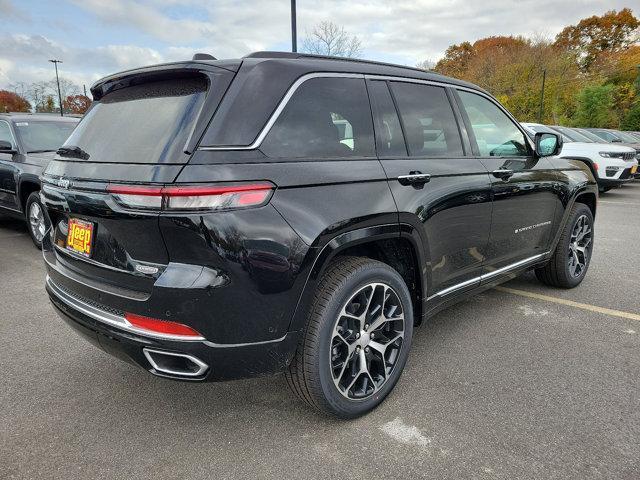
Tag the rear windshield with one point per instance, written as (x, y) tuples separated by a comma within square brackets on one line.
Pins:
[(147, 123), (43, 136)]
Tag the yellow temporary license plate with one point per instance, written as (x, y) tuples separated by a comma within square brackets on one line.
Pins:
[(80, 237), (634, 169)]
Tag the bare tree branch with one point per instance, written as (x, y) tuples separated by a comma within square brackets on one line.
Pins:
[(327, 38)]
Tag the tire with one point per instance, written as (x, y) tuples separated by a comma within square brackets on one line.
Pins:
[(35, 217), (559, 271), (320, 355)]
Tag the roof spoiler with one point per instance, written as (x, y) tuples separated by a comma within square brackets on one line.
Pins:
[(203, 56)]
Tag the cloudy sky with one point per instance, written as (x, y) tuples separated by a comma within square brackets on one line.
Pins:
[(97, 37)]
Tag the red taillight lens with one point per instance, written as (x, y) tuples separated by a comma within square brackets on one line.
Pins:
[(192, 197), (163, 327)]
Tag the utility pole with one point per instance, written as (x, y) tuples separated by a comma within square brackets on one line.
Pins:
[(294, 28), (56, 62), (84, 87), (544, 77)]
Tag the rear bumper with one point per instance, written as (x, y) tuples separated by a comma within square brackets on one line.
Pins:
[(218, 361)]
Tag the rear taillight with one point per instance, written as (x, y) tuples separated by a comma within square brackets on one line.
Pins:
[(192, 197), (162, 327)]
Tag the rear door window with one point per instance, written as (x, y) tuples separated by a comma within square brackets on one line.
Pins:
[(325, 118), (146, 123), (429, 124)]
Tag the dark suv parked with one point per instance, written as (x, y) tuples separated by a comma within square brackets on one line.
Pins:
[(27, 143), (214, 220)]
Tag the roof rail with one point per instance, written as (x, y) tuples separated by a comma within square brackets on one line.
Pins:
[(294, 55)]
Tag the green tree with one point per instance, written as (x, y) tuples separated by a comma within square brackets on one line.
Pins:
[(595, 107), (632, 120)]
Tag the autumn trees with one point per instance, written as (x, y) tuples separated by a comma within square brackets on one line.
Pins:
[(12, 102), (591, 72), (42, 97)]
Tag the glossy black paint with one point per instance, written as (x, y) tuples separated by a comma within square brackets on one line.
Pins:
[(244, 278)]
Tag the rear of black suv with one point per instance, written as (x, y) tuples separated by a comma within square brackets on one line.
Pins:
[(191, 280)]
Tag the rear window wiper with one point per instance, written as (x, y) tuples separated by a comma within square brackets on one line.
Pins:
[(73, 151)]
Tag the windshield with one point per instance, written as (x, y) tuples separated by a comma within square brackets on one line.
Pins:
[(145, 123), (626, 137), (588, 134), (43, 135), (573, 135), (545, 129)]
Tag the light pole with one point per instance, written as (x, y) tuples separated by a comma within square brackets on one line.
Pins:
[(56, 62), (294, 32), (541, 113)]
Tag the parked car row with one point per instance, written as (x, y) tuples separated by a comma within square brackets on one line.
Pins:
[(612, 156), (27, 143)]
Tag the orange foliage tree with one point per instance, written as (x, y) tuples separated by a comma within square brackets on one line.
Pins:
[(12, 102), (77, 104)]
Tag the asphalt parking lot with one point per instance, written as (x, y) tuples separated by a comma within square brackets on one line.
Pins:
[(527, 382)]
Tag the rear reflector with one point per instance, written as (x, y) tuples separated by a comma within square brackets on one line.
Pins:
[(192, 197), (163, 327)]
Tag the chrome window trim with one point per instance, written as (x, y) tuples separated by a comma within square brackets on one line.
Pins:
[(281, 106), (487, 276), (292, 90)]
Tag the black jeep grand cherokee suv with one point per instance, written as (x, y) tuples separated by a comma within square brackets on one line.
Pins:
[(213, 220)]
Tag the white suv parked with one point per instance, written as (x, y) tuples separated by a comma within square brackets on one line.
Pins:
[(612, 165)]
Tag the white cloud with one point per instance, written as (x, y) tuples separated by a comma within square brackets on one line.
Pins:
[(406, 31)]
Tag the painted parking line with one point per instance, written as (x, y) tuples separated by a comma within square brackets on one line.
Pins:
[(571, 303), (635, 204)]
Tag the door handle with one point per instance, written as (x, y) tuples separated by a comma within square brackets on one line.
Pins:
[(416, 178), (503, 174)]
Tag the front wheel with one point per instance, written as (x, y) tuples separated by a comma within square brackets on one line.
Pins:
[(357, 338), (570, 261), (34, 212)]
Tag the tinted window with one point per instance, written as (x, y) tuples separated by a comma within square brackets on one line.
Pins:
[(325, 117), (496, 135), (429, 125), (146, 123), (390, 141), (39, 136), (5, 133)]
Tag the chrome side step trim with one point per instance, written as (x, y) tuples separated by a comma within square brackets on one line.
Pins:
[(487, 276)]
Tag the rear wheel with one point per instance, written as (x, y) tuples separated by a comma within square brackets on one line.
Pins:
[(357, 338), (34, 212), (570, 261)]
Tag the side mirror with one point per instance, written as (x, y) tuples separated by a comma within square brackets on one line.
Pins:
[(547, 144), (6, 147)]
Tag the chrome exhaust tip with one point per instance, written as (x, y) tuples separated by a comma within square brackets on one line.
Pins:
[(175, 364)]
